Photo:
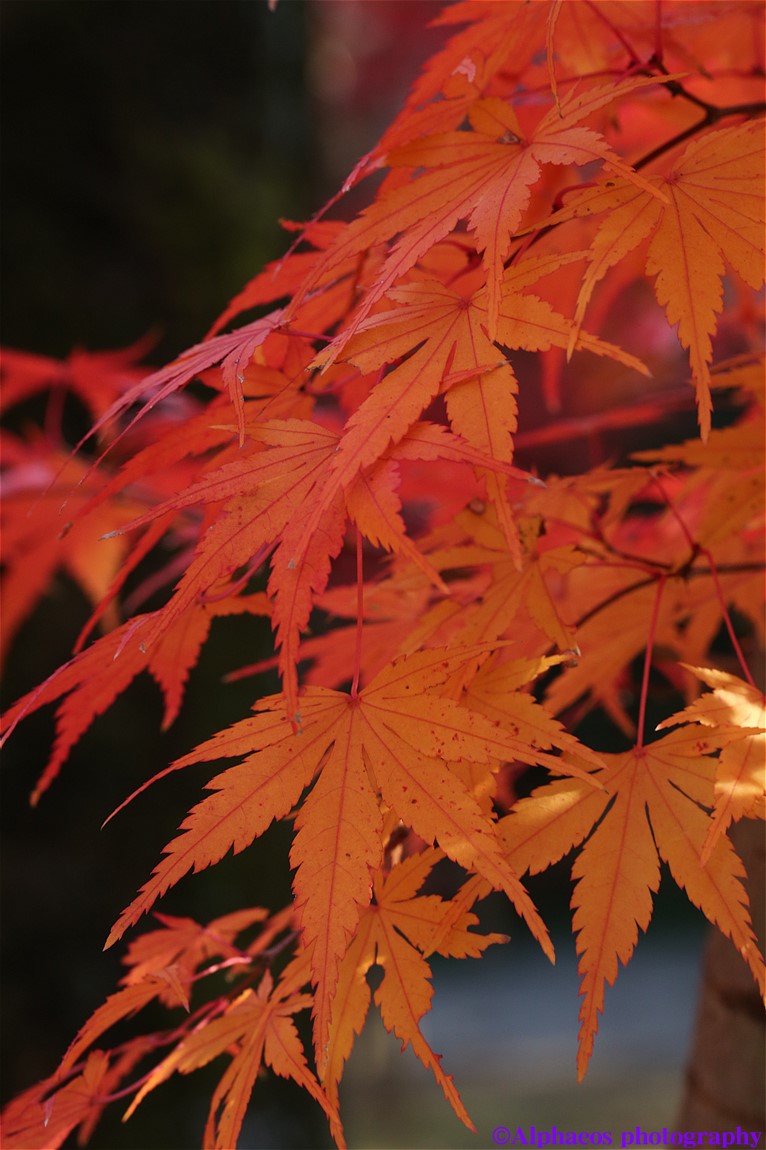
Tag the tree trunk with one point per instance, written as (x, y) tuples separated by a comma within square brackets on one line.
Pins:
[(726, 1075)]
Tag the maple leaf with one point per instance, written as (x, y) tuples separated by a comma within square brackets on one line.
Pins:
[(740, 785), (448, 333), (93, 679), (258, 1027), (34, 1121), (97, 378), (392, 743), (263, 495), (173, 462), (393, 933), (122, 1063), (495, 692), (163, 965), (233, 351), (181, 945), (484, 176), (512, 593), (38, 539), (650, 810), (452, 331), (713, 213)]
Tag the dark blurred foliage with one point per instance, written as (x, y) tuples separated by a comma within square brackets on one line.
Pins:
[(148, 152)]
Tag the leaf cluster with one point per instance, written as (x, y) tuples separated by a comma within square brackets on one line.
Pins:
[(572, 201)]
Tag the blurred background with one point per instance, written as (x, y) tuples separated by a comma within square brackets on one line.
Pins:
[(148, 152)]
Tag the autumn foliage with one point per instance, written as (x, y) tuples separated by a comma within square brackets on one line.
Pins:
[(571, 201)]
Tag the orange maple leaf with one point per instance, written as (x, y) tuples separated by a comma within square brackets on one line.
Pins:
[(233, 351), (650, 810), (484, 176), (512, 592), (740, 785), (447, 330), (181, 945), (93, 679), (164, 964), (36, 1121), (258, 1029), (389, 747), (261, 499), (393, 933), (713, 214), (454, 351)]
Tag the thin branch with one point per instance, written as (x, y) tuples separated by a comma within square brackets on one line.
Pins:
[(359, 614), (648, 660), (673, 142), (727, 617), (634, 57), (693, 546), (728, 568), (712, 114)]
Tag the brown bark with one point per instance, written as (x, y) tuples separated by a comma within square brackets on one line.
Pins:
[(726, 1075)]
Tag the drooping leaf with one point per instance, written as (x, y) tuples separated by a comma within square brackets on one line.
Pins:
[(714, 215), (391, 744), (183, 944), (232, 351), (256, 1028), (484, 176), (650, 810), (392, 933), (34, 1121), (93, 679)]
